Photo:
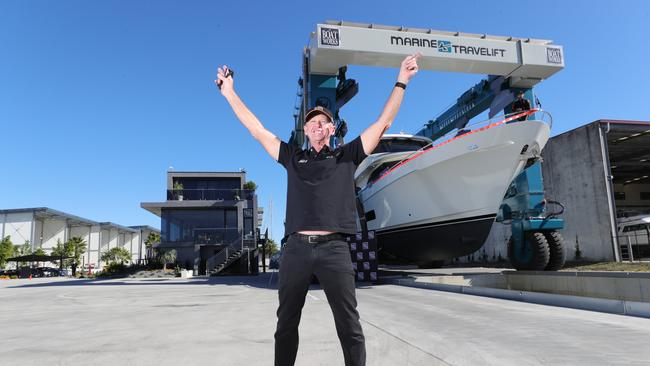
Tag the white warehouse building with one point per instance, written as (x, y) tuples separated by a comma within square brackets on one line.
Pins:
[(43, 227)]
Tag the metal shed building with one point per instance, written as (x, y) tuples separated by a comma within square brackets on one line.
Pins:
[(599, 171)]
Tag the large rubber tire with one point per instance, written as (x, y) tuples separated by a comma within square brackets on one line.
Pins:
[(556, 247), (534, 256)]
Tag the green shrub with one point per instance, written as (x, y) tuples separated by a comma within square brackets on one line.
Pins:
[(167, 256), (154, 263), (116, 255), (113, 269), (6, 250)]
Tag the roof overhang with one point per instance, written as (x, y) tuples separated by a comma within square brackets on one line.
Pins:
[(120, 228), (145, 227), (628, 144), (46, 213), (156, 207)]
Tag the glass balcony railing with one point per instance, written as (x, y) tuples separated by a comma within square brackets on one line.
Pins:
[(209, 194), (216, 236)]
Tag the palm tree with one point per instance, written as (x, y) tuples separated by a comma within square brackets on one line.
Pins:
[(77, 247), (271, 247), (167, 256), (116, 255), (61, 250), (152, 238)]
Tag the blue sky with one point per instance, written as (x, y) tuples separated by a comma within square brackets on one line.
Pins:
[(99, 98)]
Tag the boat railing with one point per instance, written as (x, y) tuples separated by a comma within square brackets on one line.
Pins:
[(536, 114)]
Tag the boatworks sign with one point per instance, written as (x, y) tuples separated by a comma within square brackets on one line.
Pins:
[(329, 36), (554, 55), (447, 46)]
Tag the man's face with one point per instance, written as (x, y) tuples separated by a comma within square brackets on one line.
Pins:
[(319, 128)]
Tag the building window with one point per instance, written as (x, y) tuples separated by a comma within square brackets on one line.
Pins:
[(223, 188), (248, 223), (645, 195), (619, 196), (231, 218), (215, 226)]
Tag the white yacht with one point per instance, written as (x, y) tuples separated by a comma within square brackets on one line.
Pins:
[(431, 201)]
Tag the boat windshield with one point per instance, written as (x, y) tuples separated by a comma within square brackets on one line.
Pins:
[(399, 145)]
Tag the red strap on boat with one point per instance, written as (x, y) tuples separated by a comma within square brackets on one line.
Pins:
[(433, 147)]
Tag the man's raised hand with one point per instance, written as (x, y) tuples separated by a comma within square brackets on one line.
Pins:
[(408, 68), (224, 79)]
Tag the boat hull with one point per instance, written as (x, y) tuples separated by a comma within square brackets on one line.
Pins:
[(442, 204), (423, 244)]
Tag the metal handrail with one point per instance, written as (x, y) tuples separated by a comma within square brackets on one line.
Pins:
[(222, 256), (210, 194), (510, 117)]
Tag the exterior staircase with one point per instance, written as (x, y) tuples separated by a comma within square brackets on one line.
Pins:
[(229, 255), (224, 258)]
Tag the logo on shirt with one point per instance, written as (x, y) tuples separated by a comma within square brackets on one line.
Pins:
[(302, 161)]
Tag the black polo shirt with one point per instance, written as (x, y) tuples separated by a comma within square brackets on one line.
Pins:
[(320, 187)]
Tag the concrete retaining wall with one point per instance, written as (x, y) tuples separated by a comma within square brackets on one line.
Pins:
[(616, 293), (606, 285)]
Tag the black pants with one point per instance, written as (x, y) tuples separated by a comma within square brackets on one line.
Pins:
[(330, 262)]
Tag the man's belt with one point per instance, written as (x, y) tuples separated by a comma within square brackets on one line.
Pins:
[(314, 239)]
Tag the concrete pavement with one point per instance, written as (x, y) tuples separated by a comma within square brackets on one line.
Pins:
[(231, 320)]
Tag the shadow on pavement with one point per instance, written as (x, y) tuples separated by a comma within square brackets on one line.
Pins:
[(264, 281), (267, 281)]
